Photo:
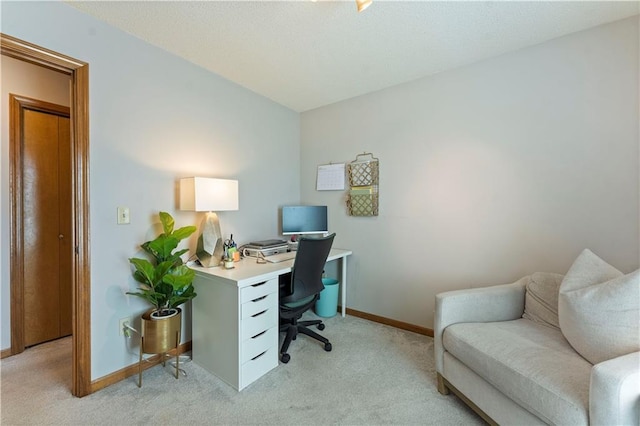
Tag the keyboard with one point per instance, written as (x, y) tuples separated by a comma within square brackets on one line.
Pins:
[(281, 257)]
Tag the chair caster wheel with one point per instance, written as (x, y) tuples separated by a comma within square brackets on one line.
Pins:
[(286, 357), (321, 326), (327, 347)]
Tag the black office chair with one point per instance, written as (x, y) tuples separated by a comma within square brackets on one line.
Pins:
[(300, 289)]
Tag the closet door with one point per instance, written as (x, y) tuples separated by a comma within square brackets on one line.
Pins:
[(46, 178)]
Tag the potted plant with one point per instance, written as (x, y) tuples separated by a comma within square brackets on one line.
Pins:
[(165, 283)]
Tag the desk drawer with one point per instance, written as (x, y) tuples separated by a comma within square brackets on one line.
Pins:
[(258, 366), (259, 322), (258, 290), (270, 301), (259, 343)]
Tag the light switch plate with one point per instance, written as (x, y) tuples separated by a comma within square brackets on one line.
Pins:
[(123, 216)]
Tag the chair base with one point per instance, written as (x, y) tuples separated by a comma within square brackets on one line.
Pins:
[(293, 327)]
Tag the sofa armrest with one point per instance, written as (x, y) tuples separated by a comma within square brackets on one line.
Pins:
[(486, 304), (614, 392)]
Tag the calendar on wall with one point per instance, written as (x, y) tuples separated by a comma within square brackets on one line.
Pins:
[(330, 177)]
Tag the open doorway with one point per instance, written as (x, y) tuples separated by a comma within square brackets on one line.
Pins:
[(78, 73)]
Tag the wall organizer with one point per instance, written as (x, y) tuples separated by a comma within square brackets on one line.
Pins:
[(363, 197)]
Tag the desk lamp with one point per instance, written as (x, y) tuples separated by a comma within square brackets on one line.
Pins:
[(206, 195)]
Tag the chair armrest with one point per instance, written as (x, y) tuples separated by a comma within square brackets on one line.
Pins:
[(486, 304), (614, 392)]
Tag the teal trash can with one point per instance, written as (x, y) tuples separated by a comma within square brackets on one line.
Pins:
[(327, 304)]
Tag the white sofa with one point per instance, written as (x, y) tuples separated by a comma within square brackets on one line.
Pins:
[(508, 350)]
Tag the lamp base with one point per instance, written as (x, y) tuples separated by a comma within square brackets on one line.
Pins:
[(210, 250)]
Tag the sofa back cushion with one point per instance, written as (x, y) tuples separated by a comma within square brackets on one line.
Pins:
[(541, 298), (599, 309)]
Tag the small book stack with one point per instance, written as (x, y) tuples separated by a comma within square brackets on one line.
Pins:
[(265, 248)]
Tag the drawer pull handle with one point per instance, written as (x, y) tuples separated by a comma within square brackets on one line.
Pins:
[(259, 313), (259, 284), (259, 299), (258, 356), (259, 334)]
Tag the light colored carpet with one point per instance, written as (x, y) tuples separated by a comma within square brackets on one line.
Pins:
[(375, 374)]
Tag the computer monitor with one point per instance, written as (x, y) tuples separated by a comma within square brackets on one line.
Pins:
[(299, 220)]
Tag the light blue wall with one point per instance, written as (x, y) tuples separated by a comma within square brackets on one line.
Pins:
[(155, 118), (488, 172)]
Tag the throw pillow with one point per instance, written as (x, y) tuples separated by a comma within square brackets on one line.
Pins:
[(599, 309), (541, 298)]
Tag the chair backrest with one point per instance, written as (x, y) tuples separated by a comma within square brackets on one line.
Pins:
[(306, 274)]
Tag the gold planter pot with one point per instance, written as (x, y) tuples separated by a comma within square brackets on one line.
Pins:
[(159, 336)]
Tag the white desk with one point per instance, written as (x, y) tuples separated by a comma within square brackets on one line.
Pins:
[(235, 317)]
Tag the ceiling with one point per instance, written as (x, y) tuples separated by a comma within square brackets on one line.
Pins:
[(305, 54)]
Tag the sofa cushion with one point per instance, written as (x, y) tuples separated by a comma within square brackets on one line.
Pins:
[(599, 309), (529, 362), (541, 298)]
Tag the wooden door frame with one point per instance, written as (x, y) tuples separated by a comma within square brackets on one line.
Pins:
[(78, 72), (17, 105)]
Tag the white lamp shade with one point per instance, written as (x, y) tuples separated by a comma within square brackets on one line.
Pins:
[(208, 194)]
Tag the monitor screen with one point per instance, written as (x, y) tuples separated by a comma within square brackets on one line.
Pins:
[(304, 220)]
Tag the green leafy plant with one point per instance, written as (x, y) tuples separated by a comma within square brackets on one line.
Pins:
[(167, 283)]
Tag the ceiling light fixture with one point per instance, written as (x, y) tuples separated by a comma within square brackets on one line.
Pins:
[(363, 4)]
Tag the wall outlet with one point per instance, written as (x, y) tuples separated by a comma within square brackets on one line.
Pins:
[(122, 330)]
